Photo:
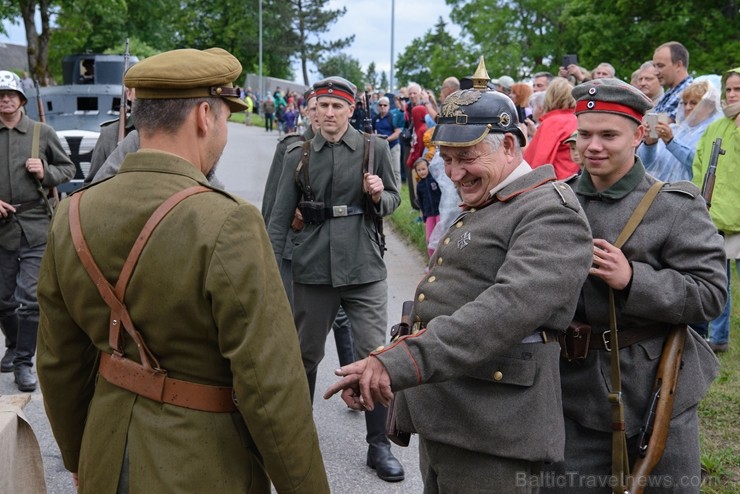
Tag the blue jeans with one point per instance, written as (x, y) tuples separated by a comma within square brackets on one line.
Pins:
[(719, 329)]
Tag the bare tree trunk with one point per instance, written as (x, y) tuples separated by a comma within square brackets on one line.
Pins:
[(37, 45)]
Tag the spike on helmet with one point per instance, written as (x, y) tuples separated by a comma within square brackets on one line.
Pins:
[(11, 82), (469, 115)]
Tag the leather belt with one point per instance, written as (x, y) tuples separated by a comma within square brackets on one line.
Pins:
[(544, 336), (627, 337), (25, 206), (342, 211), (155, 385)]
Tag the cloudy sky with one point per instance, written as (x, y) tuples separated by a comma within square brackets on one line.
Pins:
[(368, 20)]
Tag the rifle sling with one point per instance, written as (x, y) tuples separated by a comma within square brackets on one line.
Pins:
[(620, 457), (146, 379)]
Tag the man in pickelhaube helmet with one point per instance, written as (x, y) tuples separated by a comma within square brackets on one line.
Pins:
[(478, 377)]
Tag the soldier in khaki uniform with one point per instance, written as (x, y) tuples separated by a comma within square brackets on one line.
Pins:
[(205, 297), (337, 257), (478, 379), (24, 222)]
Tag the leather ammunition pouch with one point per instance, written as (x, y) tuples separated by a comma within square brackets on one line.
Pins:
[(314, 212), (575, 341)]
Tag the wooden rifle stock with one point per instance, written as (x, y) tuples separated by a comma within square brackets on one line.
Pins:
[(707, 188), (658, 419), (122, 108)]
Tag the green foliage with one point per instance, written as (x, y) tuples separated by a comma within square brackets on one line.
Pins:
[(383, 82), (371, 76), (311, 18), (342, 65), (404, 220), (429, 60)]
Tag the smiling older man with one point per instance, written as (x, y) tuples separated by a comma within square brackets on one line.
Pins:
[(478, 378)]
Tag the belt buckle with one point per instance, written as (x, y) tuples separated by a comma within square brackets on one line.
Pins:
[(338, 211), (607, 341)]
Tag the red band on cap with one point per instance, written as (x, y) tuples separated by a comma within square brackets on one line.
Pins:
[(604, 106), (336, 92)]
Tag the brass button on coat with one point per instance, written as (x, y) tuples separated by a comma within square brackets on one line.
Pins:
[(497, 376), (447, 241), (421, 297), (432, 279)]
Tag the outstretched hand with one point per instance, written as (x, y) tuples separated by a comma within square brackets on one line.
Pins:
[(363, 383)]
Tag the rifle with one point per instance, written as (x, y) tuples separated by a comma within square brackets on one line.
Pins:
[(654, 432), (122, 109), (42, 119), (368, 123), (707, 188)]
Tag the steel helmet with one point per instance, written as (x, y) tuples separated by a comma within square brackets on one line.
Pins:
[(469, 115), (11, 82)]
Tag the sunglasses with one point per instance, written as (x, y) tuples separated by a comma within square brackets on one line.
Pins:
[(381, 104)]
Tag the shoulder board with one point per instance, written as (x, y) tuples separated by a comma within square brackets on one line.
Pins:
[(294, 145), (682, 187), (567, 196), (287, 136), (108, 122)]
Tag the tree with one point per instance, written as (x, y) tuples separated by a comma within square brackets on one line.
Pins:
[(516, 37), (429, 60), (311, 19), (371, 76), (342, 65), (384, 82), (38, 43)]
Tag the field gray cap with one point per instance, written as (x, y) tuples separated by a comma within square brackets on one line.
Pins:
[(611, 95), (469, 115), (336, 87), (188, 73)]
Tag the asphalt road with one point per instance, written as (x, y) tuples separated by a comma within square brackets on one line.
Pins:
[(243, 168)]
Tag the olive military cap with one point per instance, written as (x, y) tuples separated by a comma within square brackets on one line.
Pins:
[(337, 87), (469, 115), (611, 95), (188, 73)]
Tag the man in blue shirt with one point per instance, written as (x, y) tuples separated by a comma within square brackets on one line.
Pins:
[(672, 62), (384, 124)]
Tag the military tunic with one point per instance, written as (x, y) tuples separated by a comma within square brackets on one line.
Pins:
[(207, 298), (678, 277), (106, 143), (499, 274), (17, 186), (340, 251)]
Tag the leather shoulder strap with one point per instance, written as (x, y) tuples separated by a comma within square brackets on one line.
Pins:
[(120, 318), (638, 214), (36, 140)]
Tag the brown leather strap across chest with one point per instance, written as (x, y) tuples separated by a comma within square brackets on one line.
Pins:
[(147, 378)]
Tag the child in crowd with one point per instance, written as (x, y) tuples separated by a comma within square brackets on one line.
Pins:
[(428, 194)]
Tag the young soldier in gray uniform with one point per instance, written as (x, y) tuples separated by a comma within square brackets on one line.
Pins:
[(478, 378), (225, 408), (341, 327), (108, 140), (337, 257), (24, 222), (670, 271)]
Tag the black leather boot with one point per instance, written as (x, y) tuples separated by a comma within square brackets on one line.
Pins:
[(379, 455), (25, 349), (9, 325), (343, 338)]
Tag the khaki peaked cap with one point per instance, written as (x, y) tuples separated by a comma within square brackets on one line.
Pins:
[(188, 73)]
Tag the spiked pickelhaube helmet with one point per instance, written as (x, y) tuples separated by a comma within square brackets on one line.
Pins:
[(469, 115), (11, 82)]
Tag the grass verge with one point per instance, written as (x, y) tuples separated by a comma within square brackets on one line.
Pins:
[(406, 222), (719, 412)]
